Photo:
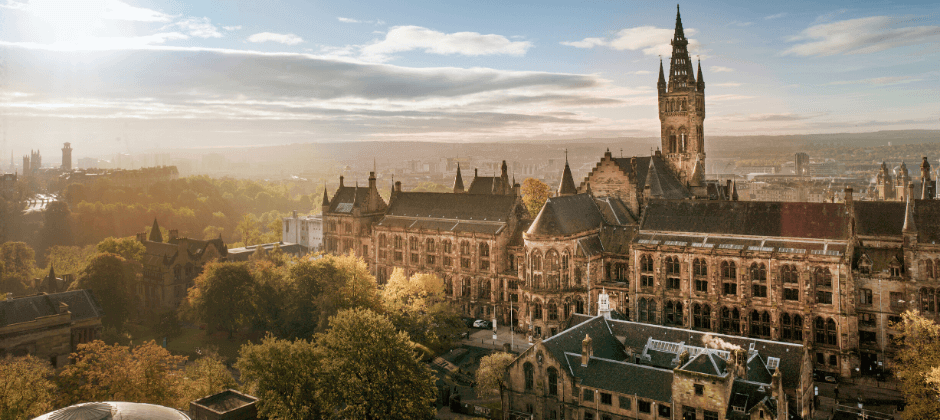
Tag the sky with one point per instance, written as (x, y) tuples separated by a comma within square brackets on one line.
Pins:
[(148, 75)]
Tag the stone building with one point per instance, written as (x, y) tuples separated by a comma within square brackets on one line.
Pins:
[(49, 326), (170, 268), (348, 218), (603, 368)]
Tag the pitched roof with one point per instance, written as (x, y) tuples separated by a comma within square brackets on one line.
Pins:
[(347, 198), (670, 186), (487, 185), (750, 218), (450, 206), (567, 182), (886, 218), (82, 304), (155, 234), (707, 363), (568, 215), (623, 378)]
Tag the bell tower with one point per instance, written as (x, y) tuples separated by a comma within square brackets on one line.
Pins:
[(682, 111)]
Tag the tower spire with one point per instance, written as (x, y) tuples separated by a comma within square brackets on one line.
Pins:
[(701, 80), (681, 75), (680, 34), (661, 84), (567, 186), (458, 181)]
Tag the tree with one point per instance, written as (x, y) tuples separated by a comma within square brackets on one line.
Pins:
[(417, 306), (111, 280), (285, 376), (19, 261), (222, 296), (916, 364), (491, 375), (534, 195), (25, 388), (372, 369), (67, 259), (56, 228), (146, 374), (248, 229), (205, 376), (128, 248)]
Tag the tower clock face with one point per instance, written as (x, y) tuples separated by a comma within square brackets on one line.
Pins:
[(539, 357)]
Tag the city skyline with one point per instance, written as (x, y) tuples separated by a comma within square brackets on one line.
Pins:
[(170, 75)]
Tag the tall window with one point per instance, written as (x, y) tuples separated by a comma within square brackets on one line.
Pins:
[(702, 316), (928, 302), (484, 289), (791, 282), (429, 246), (413, 244), (529, 376), (729, 276), (552, 311), (928, 269), (552, 381), (791, 327), (759, 280), (447, 247), (647, 309), (536, 311), (646, 270), (730, 320), (700, 273), (825, 331), (864, 297), (760, 324), (673, 312), (822, 277)]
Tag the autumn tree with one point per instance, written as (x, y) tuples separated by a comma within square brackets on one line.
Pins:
[(19, 262), (111, 280), (249, 230), (916, 364), (128, 248), (534, 195), (56, 228), (222, 296), (417, 306), (25, 388), (490, 376), (285, 376), (146, 374), (372, 369), (67, 259), (205, 376)]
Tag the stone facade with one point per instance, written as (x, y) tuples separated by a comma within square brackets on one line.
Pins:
[(49, 326)]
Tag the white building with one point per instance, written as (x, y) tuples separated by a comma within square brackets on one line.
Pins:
[(304, 230)]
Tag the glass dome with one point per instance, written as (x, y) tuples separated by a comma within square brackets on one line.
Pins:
[(114, 411)]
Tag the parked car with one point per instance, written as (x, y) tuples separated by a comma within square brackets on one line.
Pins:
[(821, 376), (480, 323)]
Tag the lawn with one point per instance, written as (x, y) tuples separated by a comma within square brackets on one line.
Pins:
[(193, 340)]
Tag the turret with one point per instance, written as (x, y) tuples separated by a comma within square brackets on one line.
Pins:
[(701, 80), (661, 84), (155, 234), (458, 181), (326, 200), (567, 187)]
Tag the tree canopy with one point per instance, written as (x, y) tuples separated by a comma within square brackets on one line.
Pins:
[(417, 306), (26, 390), (916, 365), (111, 279), (222, 296), (490, 376), (534, 195), (128, 248)]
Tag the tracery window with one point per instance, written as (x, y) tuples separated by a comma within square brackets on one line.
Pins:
[(730, 320), (760, 324), (673, 315), (791, 327), (759, 280), (702, 316)]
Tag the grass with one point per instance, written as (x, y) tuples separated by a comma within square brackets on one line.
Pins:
[(191, 340)]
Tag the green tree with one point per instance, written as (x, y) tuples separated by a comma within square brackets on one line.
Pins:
[(25, 388), (67, 260), (111, 280), (372, 370), (222, 296), (19, 261), (916, 360), (285, 376), (147, 374), (491, 375), (56, 228), (248, 229), (325, 286), (534, 195), (128, 248), (205, 376), (417, 306)]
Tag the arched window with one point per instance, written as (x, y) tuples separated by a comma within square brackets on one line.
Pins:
[(831, 332), (699, 267), (791, 327), (484, 289), (643, 310), (529, 376), (822, 277), (673, 313), (729, 276), (730, 320), (928, 301), (825, 331), (552, 381), (760, 324), (552, 308), (448, 286), (551, 267), (465, 288), (565, 268), (928, 269), (536, 311), (702, 316), (672, 273), (759, 280), (397, 242), (429, 246), (536, 261), (383, 241), (652, 315), (646, 268), (413, 244), (464, 248)]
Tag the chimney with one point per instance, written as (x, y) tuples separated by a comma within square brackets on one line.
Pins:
[(397, 186), (848, 194), (174, 234), (372, 185), (586, 350), (739, 359), (9, 297), (341, 181), (683, 358)]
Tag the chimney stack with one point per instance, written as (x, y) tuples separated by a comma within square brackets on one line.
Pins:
[(848, 194), (175, 234), (587, 351), (397, 186)]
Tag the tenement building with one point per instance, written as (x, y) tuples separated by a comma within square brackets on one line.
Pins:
[(666, 246), (603, 368)]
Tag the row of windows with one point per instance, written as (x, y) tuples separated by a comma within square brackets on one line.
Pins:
[(430, 245), (791, 325), (729, 270)]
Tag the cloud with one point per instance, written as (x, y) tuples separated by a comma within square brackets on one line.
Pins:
[(408, 38), (103, 9), (198, 27), (739, 23), (720, 69), (232, 28), (651, 40), (642, 72), (287, 39), (879, 81), (777, 16), (727, 84), (348, 20), (860, 36)]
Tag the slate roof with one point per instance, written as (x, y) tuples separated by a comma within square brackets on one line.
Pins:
[(568, 215), (615, 212), (623, 378), (485, 185), (82, 304), (747, 395), (635, 335), (347, 198), (886, 218), (567, 182), (669, 185), (750, 218), (707, 363), (450, 206)]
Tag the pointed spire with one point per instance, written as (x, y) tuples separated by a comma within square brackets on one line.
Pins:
[(679, 32), (567, 187), (356, 194), (51, 271), (734, 191), (661, 84), (701, 80), (155, 234), (909, 226), (652, 180), (458, 181), (698, 173), (326, 198)]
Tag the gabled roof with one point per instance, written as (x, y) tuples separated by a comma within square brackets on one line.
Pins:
[(623, 378), (707, 363), (487, 185), (750, 218), (671, 187), (450, 206), (886, 218), (82, 304), (568, 215), (747, 395)]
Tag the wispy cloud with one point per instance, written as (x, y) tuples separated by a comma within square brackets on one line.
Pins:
[(739, 23), (720, 69), (287, 39), (232, 28), (104, 9), (726, 84), (408, 38), (878, 81), (198, 27), (649, 39), (776, 16), (641, 72), (350, 20), (860, 36)]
